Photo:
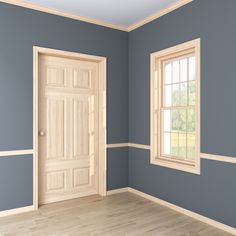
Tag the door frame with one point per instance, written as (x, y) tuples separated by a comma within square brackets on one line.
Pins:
[(102, 63)]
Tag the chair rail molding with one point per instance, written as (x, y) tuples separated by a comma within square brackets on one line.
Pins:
[(207, 156), (16, 153)]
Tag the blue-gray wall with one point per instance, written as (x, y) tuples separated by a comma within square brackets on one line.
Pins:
[(210, 194), (118, 168), (16, 181), (213, 193), (20, 30)]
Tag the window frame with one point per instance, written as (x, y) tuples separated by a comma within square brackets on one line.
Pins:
[(156, 92)]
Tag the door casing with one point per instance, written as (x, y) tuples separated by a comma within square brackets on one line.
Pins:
[(102, 183)]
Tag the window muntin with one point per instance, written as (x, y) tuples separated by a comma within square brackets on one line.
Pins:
[(175, 107), (178, 109)]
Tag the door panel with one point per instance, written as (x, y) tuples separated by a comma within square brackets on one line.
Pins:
[(55, 76), (68, 111), (82, 78), (56, 128), (80, 128), (56, 181), (81, 177)]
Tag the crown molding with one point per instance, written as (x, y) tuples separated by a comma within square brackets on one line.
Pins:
[(54, 11), (158, 14)]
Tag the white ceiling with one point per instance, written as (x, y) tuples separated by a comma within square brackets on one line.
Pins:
[(120, 12)]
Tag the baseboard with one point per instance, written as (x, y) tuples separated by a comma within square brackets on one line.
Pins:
[(16, 211), (194, 215), (189, 213), (119, 190)]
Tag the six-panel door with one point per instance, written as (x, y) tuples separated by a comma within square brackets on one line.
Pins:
[(68, 131)]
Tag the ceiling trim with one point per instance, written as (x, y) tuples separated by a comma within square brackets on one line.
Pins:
[(158, 14), (53, 11)]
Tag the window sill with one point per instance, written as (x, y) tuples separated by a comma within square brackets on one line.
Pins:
[(194, 169)]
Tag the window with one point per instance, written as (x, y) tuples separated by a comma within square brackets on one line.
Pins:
[(175, 107)]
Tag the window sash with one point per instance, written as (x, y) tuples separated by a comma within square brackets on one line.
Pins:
[(158, 157), (185, 142)]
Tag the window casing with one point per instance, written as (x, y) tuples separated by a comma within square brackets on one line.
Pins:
[(175, 107)]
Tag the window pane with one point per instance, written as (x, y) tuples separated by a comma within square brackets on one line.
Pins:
[(166, 143), (182, 120), (168, 69), (168, 96), (175, 95), (191, 144), (175, 71), (192, 67), (183, 94), (182, 146), (184, 70), (191, 120), (174, 144), (166, 121), (174, 120), (192, 93)]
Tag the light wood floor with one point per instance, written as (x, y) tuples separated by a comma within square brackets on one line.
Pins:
[(122, 214)]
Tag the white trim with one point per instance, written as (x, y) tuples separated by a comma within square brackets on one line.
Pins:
[(119, 190), (102, 61), (16, 152), (158, 14), (16, 211), (194, 215), (54, 11), (206, 156), (181, 210), (184, 211), (135, 145), (78, 17), (35, 126), (156, 97), (218, 158), (141, 146), (117, 145)]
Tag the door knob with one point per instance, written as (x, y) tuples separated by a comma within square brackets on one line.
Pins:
[(41, 133)]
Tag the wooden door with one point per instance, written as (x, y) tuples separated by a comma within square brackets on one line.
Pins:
[(68, 128)]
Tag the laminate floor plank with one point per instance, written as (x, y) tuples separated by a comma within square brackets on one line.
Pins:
[(123, 214)]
